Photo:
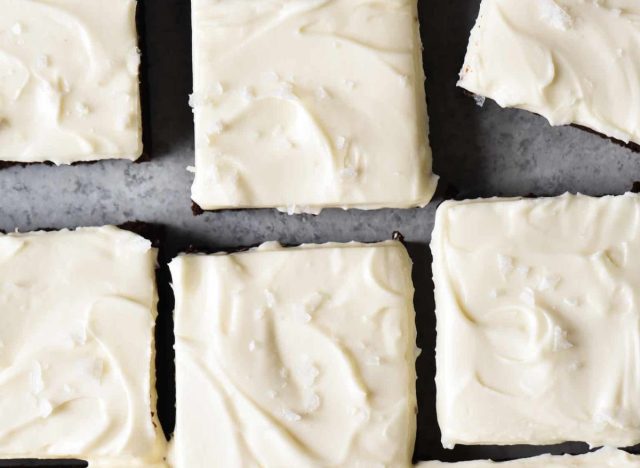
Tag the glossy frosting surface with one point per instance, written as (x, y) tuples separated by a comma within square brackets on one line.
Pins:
[(69, 81), (295, 357), (305, 104), (571, 61), (77, 311), (603, 458), (538, 320)]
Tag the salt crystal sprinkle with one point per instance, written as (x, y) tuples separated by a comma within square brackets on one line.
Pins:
[(313, 403), (285, 91), (373, 361), (97, 369), (307, 373), (217, 127), (270, 297), (300, 315), (291, 416), (571, 302), (258, 314), (321, 93), (79, 336), (548, 282), (42, 61), (45, 408), (348, 173), (35, 377), (560, 341), (272, 76), (361, 414), (528, 296), (247, 93), (82, 108), (505, 264)]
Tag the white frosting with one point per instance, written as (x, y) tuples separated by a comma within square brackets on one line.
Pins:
[(308, 104), (295, 357), (571, 61), (537, 304), (77, 312), (603, 458), (69, 81)]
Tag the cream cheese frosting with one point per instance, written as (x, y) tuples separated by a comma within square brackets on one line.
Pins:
[(292, 357), (571, 61), (538, 313), (604, 458), (77, 313), (69, 88), (307, 104)]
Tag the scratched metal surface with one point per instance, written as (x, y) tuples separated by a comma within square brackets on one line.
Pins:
[(478, 151)]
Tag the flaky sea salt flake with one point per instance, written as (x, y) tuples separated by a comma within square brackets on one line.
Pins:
[(290, 416), (505, 264), (554, 15)]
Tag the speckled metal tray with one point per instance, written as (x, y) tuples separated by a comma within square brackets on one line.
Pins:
[(478, 152)]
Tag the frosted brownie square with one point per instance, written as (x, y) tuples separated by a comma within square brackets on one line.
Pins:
[(537, 320), (303, 105), (571, 61), (295, 357), (69, 89), (604, 458), (77, 314)]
